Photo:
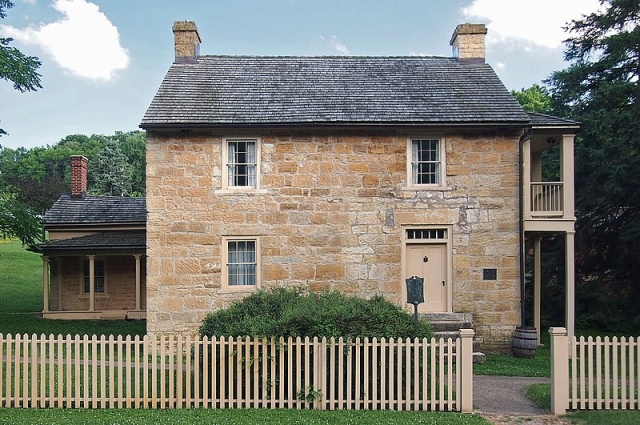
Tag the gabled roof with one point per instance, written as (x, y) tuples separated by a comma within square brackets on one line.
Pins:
[(97, 210), (108, 241), (241, 91), (544, 120)]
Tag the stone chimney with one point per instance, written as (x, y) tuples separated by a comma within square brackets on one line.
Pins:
[(78, 176), (187, 41), (467, 43)]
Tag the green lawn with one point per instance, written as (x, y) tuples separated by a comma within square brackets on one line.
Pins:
[(21, 301), (229, 417)]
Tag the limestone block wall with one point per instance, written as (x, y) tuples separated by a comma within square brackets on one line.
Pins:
[(330, 216), (120, 285)]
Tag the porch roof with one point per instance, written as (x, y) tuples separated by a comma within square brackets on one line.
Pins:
[(544, 120), (106, 241)]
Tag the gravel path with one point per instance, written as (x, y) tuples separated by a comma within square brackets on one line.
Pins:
[(502, 400)]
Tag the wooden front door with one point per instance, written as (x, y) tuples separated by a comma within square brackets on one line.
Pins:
[(429, 261)]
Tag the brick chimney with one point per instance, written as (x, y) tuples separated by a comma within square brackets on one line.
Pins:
[(467, 43), (187, 41), (78, 176)]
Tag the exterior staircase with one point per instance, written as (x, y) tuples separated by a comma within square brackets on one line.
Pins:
[(448, 325)]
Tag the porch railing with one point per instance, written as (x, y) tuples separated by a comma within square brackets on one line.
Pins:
[(547, 199)]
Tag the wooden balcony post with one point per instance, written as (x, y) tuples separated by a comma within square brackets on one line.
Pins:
[(567, 174), (537, 283), (570, 282)]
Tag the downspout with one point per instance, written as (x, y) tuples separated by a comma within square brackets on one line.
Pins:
[(525, 136)]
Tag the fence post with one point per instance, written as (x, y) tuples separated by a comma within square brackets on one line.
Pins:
[(559, 371), (466, 370)]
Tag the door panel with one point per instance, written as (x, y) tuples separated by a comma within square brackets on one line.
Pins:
[(429, 261)]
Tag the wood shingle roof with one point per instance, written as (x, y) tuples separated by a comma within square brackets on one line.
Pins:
[(97, 210), (241, 91)]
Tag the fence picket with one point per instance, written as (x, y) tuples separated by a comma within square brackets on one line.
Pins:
[(161, 372)]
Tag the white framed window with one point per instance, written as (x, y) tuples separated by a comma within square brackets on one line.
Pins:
[(241, 163), (425, 162), (241, 263), (100, 277)]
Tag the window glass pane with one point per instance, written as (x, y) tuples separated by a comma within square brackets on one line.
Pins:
[(425, 166), (241, 262), (241, 163)]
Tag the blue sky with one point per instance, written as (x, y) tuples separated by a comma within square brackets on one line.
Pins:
[(103, 60)]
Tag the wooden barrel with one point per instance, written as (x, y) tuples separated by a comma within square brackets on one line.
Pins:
[(525, 342)]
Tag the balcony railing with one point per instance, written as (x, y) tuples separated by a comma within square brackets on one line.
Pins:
[(546, 199)]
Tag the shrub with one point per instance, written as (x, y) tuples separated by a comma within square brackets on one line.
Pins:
[(296, 312)]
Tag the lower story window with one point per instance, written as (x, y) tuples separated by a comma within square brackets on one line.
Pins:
[(99, 276), (241, 262)]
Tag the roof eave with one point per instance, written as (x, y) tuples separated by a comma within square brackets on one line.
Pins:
[(200, 126)]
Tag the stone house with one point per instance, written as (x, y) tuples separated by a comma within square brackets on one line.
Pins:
[(94, 264), (350, 174)]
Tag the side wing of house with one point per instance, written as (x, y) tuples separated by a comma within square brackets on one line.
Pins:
[(94, 262)]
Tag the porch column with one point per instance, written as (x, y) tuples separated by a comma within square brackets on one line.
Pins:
[(570, 282), (45, 283), (536, 285), (567, 175), (137, 257), (59, 260), (92, 282)]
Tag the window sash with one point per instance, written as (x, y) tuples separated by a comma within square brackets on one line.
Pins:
[(241, 163), (426, 161), (98, 279), (241, 262)]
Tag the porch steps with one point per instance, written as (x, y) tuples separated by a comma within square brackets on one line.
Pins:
[(448, 325)]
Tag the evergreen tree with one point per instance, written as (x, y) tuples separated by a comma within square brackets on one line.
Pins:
[(110, 171), (600, 88)]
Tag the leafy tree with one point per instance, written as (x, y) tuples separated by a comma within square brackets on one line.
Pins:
[(19, 221), (534, 99), (600, 88), (15, 67)]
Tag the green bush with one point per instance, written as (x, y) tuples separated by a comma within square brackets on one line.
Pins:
[(295, 312)]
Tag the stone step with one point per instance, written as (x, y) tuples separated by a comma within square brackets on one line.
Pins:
[(450, 326), (448, 317)]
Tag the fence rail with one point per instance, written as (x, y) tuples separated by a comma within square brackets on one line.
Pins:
[(185, 372), (601, 373)]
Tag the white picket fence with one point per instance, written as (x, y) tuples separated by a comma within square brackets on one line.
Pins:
[(594, 373), (167, 372)]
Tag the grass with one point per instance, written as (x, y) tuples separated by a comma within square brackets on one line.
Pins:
[(21, 301), (507, 365), (230, 417), (540, 394)]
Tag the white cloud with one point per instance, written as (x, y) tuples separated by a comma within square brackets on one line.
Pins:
[(537, 21), (83, 41), (29, 1), (333, 40)]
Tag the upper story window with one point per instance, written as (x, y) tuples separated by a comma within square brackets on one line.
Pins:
[(99, 276), (425, 162), (241, 163)]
